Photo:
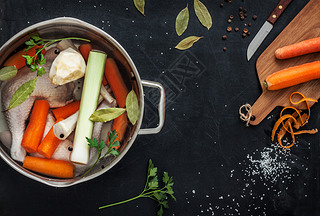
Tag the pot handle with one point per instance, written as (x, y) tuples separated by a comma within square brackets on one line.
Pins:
[(161, 107)]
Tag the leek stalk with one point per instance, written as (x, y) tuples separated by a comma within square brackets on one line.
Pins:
[(89, 101)]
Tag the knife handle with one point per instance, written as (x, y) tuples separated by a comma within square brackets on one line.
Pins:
[(278, 10)]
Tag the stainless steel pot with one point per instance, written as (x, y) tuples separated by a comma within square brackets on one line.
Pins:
[(63, 27)]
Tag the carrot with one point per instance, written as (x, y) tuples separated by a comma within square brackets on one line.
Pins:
[(18, 60), (67, 110), (291, 118), (116, 82), (293, 76), (49, 143), (85, 50), (50, 167), (298, 49), (35, 129), (120, 126), (104, 80)]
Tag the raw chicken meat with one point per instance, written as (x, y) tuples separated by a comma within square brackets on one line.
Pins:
[(16, 118)]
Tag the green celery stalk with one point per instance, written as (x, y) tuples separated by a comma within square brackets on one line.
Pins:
[(88, 104)]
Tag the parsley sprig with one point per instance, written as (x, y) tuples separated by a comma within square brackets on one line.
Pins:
[(153, 191), (112, 145), (34, 62)]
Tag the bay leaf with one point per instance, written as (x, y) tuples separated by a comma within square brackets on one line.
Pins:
[(132, 106), (139, 4), (187, 42), (203, 14), (104, 115), (182, 21), (8, 72), (22, 93)]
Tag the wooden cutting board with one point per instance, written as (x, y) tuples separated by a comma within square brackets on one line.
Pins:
[(304, 26)]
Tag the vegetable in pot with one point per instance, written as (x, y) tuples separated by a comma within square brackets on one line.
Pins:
[(89, 101)]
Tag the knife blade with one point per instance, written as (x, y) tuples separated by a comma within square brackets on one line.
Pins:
[(266, 28)]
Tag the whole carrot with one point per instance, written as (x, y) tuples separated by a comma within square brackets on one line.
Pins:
[(298, 49), (116, 82), (293, 76), (120, 125), (18, 60), (85, 50), (104, 80), (67, 110), (49, 167), (49, 143), (34, 132)]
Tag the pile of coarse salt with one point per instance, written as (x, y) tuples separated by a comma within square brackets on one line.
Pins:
[(272, 163)]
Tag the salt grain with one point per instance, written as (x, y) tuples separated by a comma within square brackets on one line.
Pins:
[(271, 164)]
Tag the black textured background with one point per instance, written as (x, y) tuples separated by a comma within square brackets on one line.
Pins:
[(203, 144)]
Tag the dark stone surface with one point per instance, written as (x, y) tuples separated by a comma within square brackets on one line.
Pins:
[(212, 155)]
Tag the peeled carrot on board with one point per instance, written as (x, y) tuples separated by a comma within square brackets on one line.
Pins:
[(116, 82), (49, 143), (67, 110), (18, 60), (85, 50), (50, 167), (35, 129), (298, 49), (293, 76)]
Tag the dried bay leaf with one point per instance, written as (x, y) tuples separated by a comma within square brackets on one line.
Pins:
[(187, 42), (203, 14), (8, 72), (22, 93), (139, 4), (104, 115), (182, 21), (132, 106)]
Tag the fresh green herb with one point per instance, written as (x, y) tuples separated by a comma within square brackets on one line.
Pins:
[(132, 107), (35, 62), (22, 93), (8, 72), (104, 115), (112, 145), (153, 191), (139, 4), (187, 42), (182, 21), (203, 14)]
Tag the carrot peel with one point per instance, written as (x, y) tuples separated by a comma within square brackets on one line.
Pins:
[(287, 120)]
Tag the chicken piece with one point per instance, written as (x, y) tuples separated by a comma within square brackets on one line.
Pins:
[(16, 118)]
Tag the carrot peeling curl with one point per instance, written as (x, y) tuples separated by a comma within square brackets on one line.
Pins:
[(294, 120)]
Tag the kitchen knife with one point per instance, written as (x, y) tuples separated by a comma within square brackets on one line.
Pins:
[(266, 28)]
